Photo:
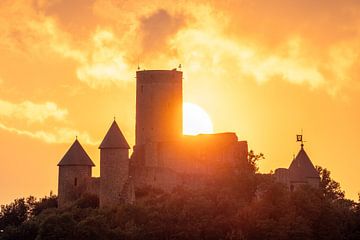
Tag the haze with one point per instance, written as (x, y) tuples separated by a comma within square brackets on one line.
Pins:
[(262, 69)]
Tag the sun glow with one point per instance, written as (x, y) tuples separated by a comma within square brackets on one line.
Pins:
[(195, 120)]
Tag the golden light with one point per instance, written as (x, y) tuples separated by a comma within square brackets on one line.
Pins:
[(195, 120)]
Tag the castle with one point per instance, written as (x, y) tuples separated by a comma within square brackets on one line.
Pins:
[(162, 156)]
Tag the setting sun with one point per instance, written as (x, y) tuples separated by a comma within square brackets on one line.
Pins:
[(195, 120)]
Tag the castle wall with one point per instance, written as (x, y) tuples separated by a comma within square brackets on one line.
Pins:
[(73, 182), (94, 187), (158, 106), (114, 171), (163, 178), (242, 150), (314, 182), (282, 176), (176, 161)]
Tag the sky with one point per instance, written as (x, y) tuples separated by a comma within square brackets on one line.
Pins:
[(263, 69)]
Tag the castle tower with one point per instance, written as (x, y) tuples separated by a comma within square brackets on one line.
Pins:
[(74, 174), (158, 106), (302, 171), (114, 166)]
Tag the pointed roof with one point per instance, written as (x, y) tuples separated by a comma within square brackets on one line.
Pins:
[(76, 156), (114, 138), (302, 168)]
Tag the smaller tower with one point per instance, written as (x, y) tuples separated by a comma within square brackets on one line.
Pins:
[(74, 174), (302, 171), (114, 166)]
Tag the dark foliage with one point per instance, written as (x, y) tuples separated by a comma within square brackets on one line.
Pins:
[(240, 204)]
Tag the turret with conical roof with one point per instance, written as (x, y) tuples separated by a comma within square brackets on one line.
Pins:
[(76, 156), (114, 166), (114, 138), (302, 170), (74, 174)]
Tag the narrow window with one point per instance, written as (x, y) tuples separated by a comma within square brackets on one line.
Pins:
[(142, 88), (75, 182)]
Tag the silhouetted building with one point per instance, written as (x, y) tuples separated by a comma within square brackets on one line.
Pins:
[(74, 173), (114, 186), (162, 157), (300, 172)]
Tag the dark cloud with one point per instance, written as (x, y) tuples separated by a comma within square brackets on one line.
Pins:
[(76, 17), (157, 29)]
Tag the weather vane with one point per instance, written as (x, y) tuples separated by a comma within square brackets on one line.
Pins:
[(299, 138)]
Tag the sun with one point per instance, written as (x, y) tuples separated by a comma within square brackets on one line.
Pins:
[(195, 120)]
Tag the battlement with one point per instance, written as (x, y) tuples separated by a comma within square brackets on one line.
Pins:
[(158, 76)]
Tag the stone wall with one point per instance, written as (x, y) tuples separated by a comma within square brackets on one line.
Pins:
[(177, 161), (94, 186), (74, 181), (282, 176), (114, 171), (158, 106)]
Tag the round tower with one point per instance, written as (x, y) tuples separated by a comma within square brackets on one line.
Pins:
[(158, 106), (114, 166), (74, 174)]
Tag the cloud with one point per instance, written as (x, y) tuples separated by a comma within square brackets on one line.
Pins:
[(76, 17), (59, 135), (256, 39), (106, 64), (322, 28), (236, 58), (32, 112), (157, 29)]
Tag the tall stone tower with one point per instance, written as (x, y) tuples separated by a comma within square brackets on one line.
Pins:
[(74, 174), (158, 106), (114, 166)]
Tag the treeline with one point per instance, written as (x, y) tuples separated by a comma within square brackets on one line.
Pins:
[(238, 204)]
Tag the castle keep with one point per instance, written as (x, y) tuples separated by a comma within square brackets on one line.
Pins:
[(162, 156)]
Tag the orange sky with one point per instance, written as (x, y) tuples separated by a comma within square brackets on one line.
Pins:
[(264, 69)]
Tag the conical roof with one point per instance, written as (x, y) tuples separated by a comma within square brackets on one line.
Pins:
[(302, 168), (114, 138), (76, 156)]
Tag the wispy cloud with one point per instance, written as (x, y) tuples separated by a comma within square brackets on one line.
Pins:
[(250, 38), (59, 135), (106, 64), (245, 60), (32, 112)]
